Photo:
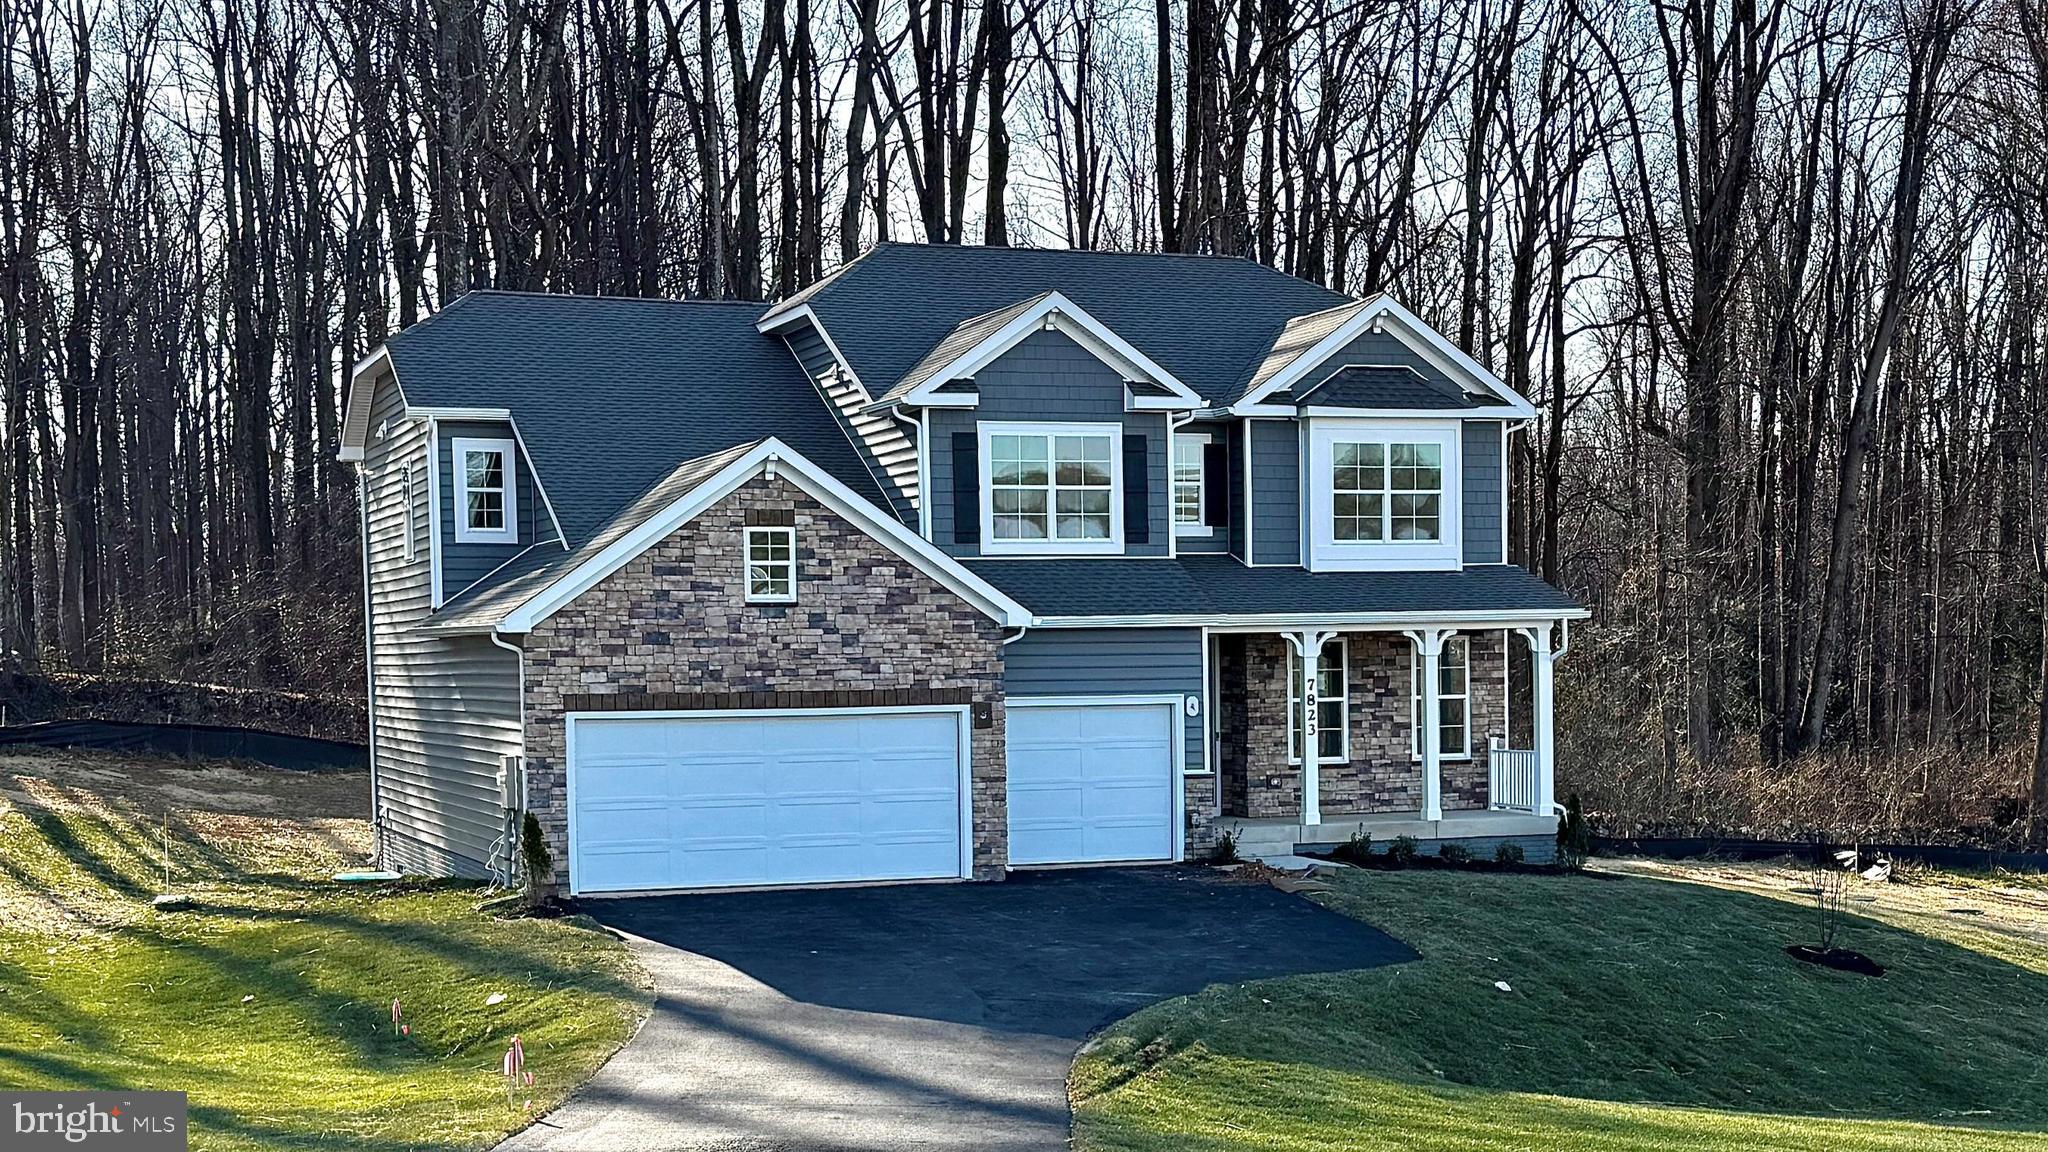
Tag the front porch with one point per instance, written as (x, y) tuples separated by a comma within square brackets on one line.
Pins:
[(1412, 730)]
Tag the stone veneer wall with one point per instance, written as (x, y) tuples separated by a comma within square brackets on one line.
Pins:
[(674, 621), (1381, 774)]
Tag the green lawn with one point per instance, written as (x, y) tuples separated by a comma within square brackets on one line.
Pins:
[(270, 1003), (1644, 1013)]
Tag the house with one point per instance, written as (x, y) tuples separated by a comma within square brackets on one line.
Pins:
[(960, 560)]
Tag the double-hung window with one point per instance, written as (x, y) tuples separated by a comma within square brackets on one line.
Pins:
[(771, 565), (486, 499), (1051, 488), (1188, 448), (1333, 728), (1386, 491), (1454, 701)]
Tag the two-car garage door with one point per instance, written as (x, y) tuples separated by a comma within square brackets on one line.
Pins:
[(837, 796), (766, 798)]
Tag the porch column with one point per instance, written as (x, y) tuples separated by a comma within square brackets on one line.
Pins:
[(1541, 660), (1429, 651), (1309, 646)]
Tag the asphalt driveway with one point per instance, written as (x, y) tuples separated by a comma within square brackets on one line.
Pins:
[(924, 1016)]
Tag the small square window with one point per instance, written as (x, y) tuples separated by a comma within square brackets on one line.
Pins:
[(771, 565)]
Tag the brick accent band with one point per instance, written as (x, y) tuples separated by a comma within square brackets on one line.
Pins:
[(747, 701)]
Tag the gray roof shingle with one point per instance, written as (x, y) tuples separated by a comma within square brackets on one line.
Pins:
[(1383, 386), (1209, 320), (970, 333), (1223, 586), (611, 392)]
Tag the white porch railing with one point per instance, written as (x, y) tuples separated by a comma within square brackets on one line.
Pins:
[(1512, 781)]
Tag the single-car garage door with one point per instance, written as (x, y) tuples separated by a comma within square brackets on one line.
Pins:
[(1091, 782), (765, 798)]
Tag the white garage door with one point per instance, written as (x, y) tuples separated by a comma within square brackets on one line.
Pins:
[(764, 798), (1091, 782)]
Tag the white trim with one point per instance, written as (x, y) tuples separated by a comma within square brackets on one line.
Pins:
[(1325, 553), (1360, 621), (1208, 713), (459, 448), (1294, 704), (965, 744), (1052, 310), (777, 323), (747, 563), (370, 664), (1200, 529), (1375, 314), (533, 474), (1177, 730), (1495, 413), (362, 379), (985, 431), (459, 413), (434, 596), (1251, 558), (792, 466)]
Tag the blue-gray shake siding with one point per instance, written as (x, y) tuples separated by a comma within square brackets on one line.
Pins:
[(464, 563), (1377, 348), (1111, 662), (1482, 508), (1047, 378), (444, 710), (1276, 491)]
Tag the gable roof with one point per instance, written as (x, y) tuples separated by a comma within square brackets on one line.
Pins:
[(609, 393), (531, 590), (970, 347), (890, 308), (1383, 386), (1306, 344)]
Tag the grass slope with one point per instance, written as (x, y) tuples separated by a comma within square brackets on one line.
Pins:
[(1645, 1014), (270, 1003)]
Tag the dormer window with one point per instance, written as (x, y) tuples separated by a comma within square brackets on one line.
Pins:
[(1051, 488), (486, 500), (1383, 494)]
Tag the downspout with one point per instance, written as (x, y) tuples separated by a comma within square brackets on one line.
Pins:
[(369, 665), (924, 495), (519, 654)]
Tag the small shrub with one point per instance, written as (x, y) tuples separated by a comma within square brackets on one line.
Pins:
[(1454, 854), (1574, 836), (1509, 852), (1830, 874), (1403, 851), (1225, 851), (537, 861), (1357, 850)]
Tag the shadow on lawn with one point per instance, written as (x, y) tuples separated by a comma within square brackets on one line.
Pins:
[(1647, 992)]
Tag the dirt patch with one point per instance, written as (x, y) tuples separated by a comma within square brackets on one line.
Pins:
[(88, 833)]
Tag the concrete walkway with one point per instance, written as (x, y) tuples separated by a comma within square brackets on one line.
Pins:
[(921, 1016)]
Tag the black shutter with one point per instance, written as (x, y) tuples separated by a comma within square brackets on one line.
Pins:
[(966, 488), (1216, 484), (1137, 492)]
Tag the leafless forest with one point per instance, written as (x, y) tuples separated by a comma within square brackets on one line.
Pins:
[(1775, 271)]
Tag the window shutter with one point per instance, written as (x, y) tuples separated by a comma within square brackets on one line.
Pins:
[(1216, 484), (1137, 492), (966, 488)]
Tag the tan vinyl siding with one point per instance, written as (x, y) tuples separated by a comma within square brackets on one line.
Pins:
[(445, 709)]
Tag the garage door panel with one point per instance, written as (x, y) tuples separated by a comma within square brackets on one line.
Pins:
[(1091, 782), (686, 802)]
